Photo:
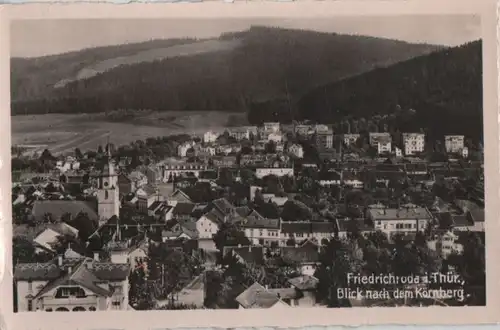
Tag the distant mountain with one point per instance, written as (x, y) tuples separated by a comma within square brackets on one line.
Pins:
[(444, 88), (230, 73)]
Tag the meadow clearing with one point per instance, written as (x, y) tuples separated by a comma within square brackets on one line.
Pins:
[(62, 133)]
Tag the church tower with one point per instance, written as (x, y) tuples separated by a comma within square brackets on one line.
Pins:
[(108, 194)]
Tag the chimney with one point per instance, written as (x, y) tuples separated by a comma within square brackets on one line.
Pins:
[(60, 260), (267, 287), (70, 269), (249, 248), (96, 256), (296, 245), (239, 245)]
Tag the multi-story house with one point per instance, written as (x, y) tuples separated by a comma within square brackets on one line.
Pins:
[(210, 137), (321, 128), (324, 139), (296, 150), (83, 284), (350, 138), (382, 142), (272, 127), (69, 164), (182, 150), (262, 172), (330, 178), (276, 137), (146, 196), (413, 143), (129, 183), (406, 219), (445, 243), (303, 130), (239, 133), (302, 230), (153, 174), (268, 129), (352, 179), (172, 171), (260, 230), (453, 143)]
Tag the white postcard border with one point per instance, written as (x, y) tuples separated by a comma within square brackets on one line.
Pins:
[(258, 318)]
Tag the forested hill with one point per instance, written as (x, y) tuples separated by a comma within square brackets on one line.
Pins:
[(444, 88), (238, 70)]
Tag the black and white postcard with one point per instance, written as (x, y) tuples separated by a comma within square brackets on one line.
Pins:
[(250, 164)]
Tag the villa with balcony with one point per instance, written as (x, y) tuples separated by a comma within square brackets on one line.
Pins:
[(63, 285)]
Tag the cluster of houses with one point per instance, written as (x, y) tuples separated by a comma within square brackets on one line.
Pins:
[(78, 282)]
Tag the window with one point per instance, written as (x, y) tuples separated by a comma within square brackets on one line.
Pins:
[(30, 285), (116, 303), (30, 305), (48, 310), (92, 309), (106, 194)]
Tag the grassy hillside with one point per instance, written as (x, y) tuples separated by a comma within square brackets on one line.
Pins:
[(265, 64), (445, 89)]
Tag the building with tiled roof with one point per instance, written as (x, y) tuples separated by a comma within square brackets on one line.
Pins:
[(247, 255), (49, 235), (82, 284), (400, 220), (257, 296), (301, 230), (260, 230), (306, 285)]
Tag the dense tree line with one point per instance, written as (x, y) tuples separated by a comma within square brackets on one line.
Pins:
[(444, 88), (267, 64)]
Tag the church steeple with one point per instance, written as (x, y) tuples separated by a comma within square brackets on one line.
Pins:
[(108, 193)]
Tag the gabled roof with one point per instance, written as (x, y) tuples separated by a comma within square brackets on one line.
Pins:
[(180, 196), (147, 190), (249, 254), (256, 296), (304, 282), (183, 208), (300, 255), (477, 215), (85, 274), (307, 227), (37, 271), (252, 222), (223, 205)]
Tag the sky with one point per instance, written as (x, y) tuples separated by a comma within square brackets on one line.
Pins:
[(33, 38)]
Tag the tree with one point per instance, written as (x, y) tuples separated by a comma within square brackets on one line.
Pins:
[(23, 250), (46, 156), (471, 265), (337, 259), (247, 176), (78, 153), (139, 292), (84, 225), (270, 147), (229, 235), (294, 210)]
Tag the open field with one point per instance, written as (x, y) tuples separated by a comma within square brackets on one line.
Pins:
[(62, 133)]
